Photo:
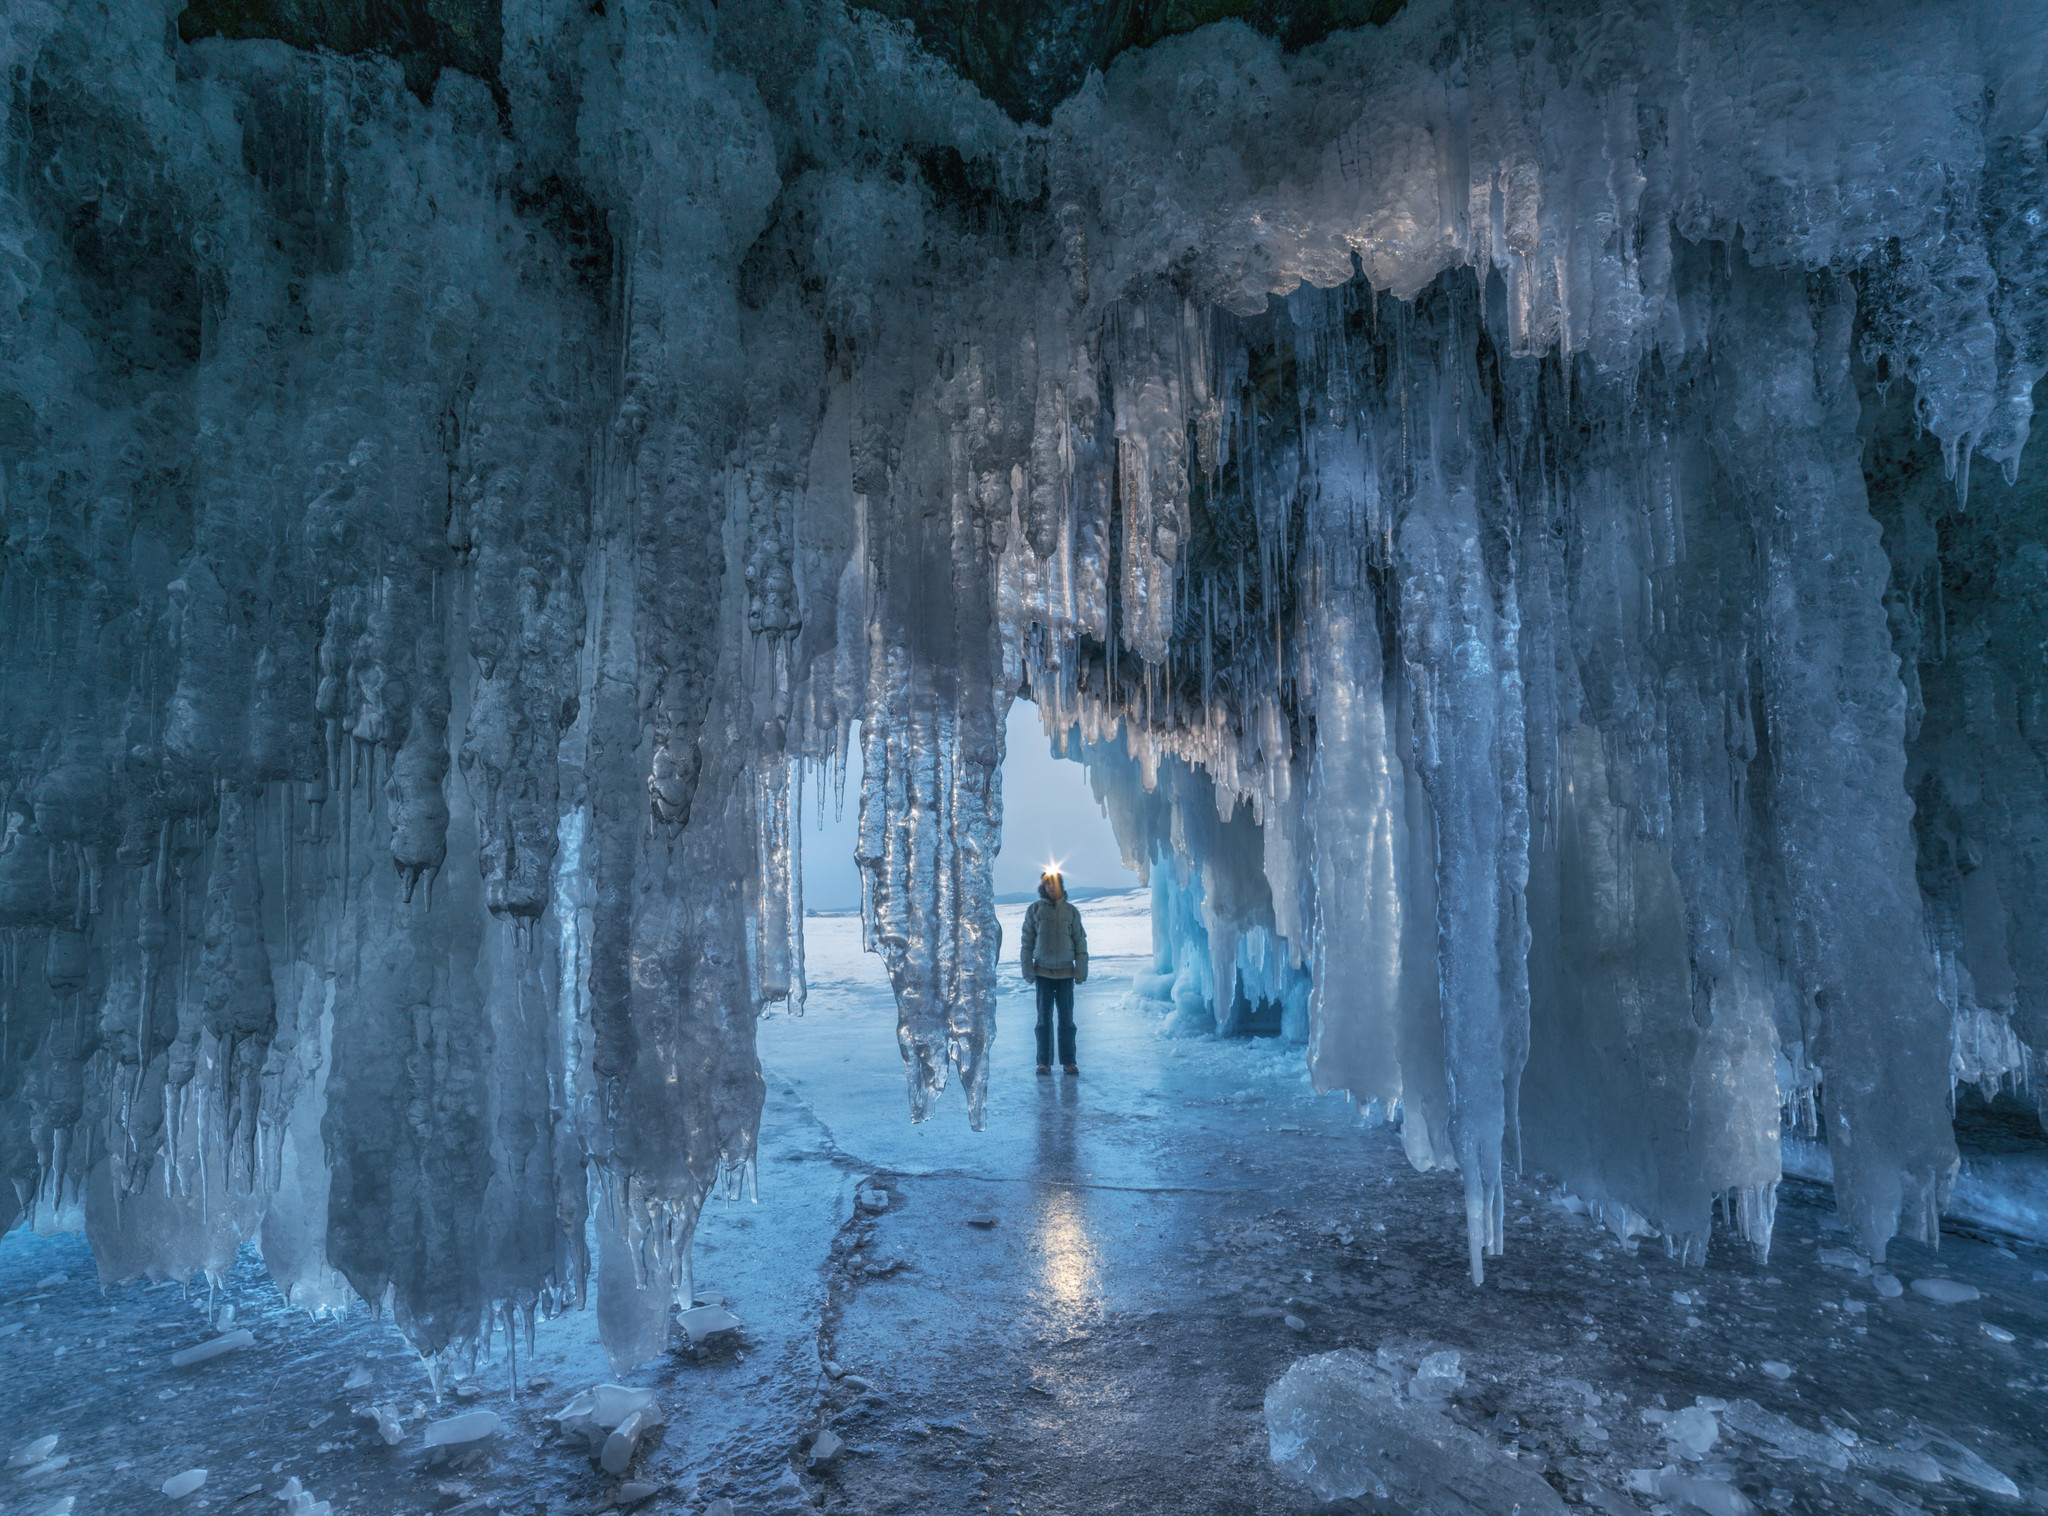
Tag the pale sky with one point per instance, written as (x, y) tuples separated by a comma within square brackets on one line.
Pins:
[(1048, 813)]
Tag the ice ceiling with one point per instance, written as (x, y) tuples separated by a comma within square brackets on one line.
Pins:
[(1518, 501)]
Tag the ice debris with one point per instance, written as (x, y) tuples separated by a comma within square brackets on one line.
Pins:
[(1783, 1436), (633, 1491), (872, 1198), (299, 1501), (390, 1425), (613, 1418), (702, 1322), (1692, 1432), (624, 1442), (206, 1352), (1946, 1291), (1966, 1467), (1776, 1368), (459, 1431), (825, 1447), (602, 1407), (1887, 1285), (1692, 1492), (34, 1452), (178, 1486), (1439, 1376), (1345, 1426)]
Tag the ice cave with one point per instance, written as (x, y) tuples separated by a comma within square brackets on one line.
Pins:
[(1500, 540)]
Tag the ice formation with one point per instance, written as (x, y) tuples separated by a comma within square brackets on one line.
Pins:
[(1491, 495)]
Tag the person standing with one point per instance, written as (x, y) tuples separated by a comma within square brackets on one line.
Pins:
[(1055, 960)]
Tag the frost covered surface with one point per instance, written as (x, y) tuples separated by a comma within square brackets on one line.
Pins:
[(1485, 492)]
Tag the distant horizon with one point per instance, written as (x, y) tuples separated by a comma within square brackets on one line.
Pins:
[(1049, 814)]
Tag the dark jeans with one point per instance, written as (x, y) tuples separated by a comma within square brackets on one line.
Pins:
[(1051, 993)]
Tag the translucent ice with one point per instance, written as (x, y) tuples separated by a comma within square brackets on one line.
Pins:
[(706, 1321), (390, 1426), (299, 1501), (1340, 1423), (456, 1431), (624, 1442), (206, 1352), (33, 1452), (1945, 1291), (178, 1486)]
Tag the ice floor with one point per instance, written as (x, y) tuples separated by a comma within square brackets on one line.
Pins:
[(1080, 1311)]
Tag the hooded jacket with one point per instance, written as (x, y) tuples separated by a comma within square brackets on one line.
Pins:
[(1055, 946)]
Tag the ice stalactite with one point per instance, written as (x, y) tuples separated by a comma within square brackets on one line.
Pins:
[(1486, 494), (932, 729), (1835, 712)]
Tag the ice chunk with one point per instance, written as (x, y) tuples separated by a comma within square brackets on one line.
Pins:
[(1783, 1435), (206, 1352), (826, 1447), (358, 1377), (872, 1198), (633, 1491), (390, 1426), (1844, 1258), (1911, 1462), (1438, 1377), (34, 1452), (604, 1405), (299, 1501), (1776, 1369), (1946, 1291), (1995, 1333), (1710, 1497), (1340, 1422), (1965, 1467), (1692, 1432), (624, 1442), (457, 1431), (178, 1486), (51, 1281), (1888, 1286), (703, 1322)]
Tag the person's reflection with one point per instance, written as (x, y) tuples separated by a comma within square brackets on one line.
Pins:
[(1064, 1243), (1059, 1115)]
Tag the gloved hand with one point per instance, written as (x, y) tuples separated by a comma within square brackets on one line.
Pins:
[(1081, 972)]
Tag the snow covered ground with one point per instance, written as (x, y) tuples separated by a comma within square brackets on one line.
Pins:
[(1082, 1309)]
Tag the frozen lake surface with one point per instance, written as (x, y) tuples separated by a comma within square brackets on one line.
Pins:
[(1081, 1309)]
